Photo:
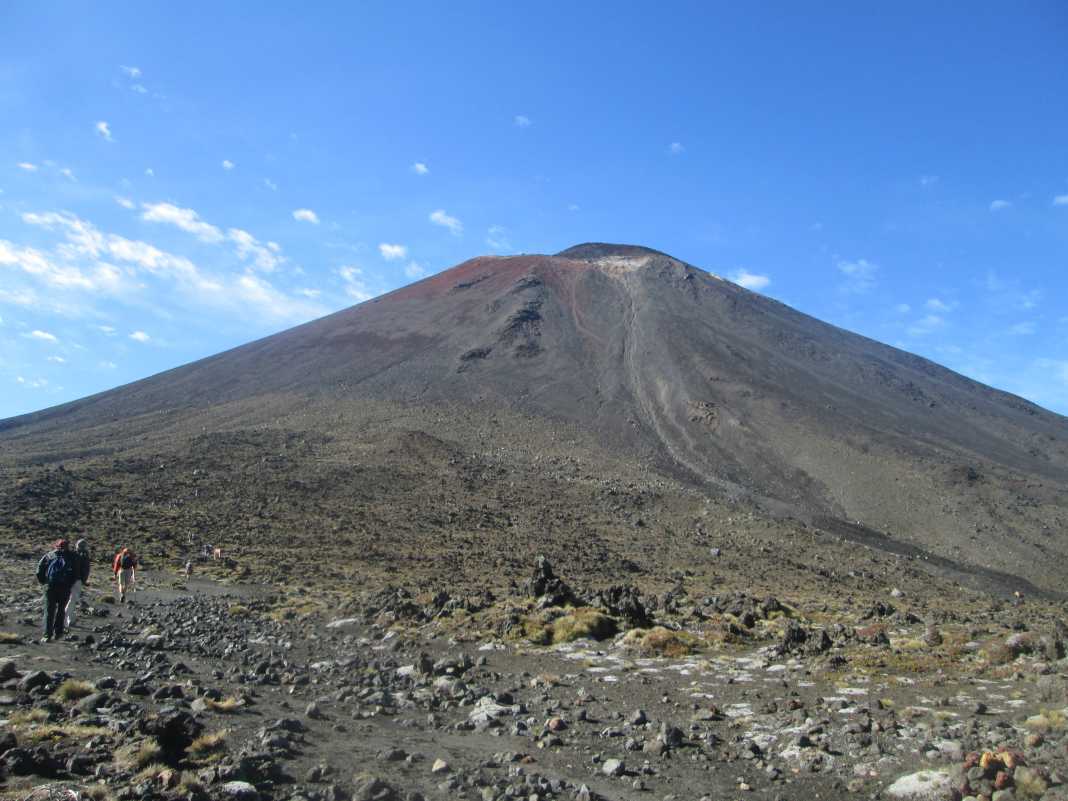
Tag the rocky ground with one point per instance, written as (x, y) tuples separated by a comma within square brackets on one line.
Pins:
[(222, 689)]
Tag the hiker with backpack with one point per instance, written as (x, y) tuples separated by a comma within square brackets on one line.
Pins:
[(125, 569), (56, 571), (81, 579)]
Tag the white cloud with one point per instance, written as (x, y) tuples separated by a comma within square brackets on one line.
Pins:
[(310, 293), (573, 207), (104, 130), (939, 305), (151, 173), (355, 287), (928, 180), (140, 336), (270, 184), (39, 265), (68, 173), (27, 166), (227, 164), (902, 308), (132, 72), (141, 90), (926, 325), (107, 329), (750, 280), (676, 148), (860, 275), (439, 217), (57, 359), (414, 270), (521, 121), (38, 383), (392, 252), (44, 336), (306, 215), (265, 257), (125, 202), (186, 219), (1022, 329), (1060, 200), (108, 365), (497, 238), (1000, 205), (419, 168)]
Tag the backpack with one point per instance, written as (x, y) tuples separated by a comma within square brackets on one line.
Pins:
[(127, 561), (60, 570)]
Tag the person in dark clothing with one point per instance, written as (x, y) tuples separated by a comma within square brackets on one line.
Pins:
[(56, 571), (81, 579)]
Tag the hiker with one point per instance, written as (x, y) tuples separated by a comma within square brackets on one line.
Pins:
[(56, 571), (188, 569), (125, 569), (81, 579)]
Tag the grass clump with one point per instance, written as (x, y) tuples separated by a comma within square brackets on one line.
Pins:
[(1048, 720), (138, 756), (9, 638), (189, 785), (659, 641), (555, 625), (227, 706), (73, 690), (151, 772), (209, 743)]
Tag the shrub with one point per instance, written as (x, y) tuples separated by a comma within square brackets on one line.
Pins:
[(659, 641)]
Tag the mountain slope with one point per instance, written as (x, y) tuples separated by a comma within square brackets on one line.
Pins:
[(711, 385)]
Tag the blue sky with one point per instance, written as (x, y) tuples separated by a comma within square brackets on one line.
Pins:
[(178, 179)]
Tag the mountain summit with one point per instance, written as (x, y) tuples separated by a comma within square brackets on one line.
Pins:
[(661, 364)]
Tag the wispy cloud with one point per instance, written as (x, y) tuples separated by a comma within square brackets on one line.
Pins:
[(902, 308), (1000, 205), (141, 90), (107, 365), (676, 148), (926, 325), (125, 202), (266, 257), (497, 239), (270, 184), (1025, 328), (392, 252), (521, 121), (928, 180), (151, 173), (186, 219), (939, 305), (104, 130), (419, 168), (27, 166), (306, 215), (355, 286), (1060, 200), (68, 173), (440, 217), (414, 269), (131, 72), (43, 336), (227, 164), (859, 275), (140, 336), (750, 280), (57, 360)]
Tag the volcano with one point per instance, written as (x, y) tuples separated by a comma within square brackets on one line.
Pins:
[(667, 372)]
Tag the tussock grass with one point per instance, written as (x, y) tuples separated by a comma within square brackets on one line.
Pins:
[(24, 717), (189, 785), (659, 641), (238, 610), (1048, 720), (64, 731), (227, 706), (73, 689), (555, 625), (9, 638), (150, 773), (209, 743), (138, 756)]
